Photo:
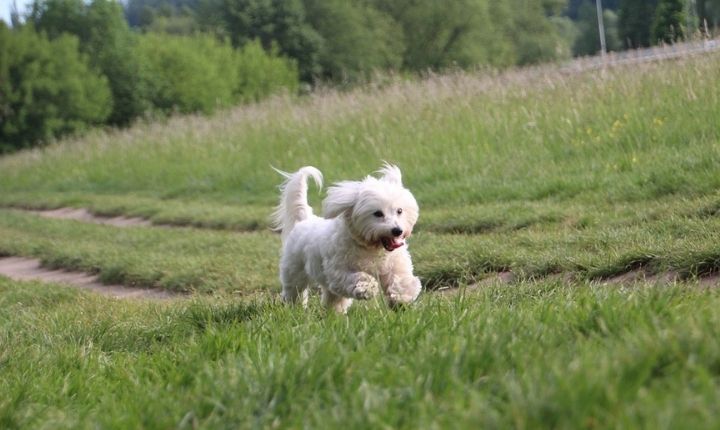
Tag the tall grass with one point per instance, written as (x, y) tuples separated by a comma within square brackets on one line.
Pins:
[(625, 134)]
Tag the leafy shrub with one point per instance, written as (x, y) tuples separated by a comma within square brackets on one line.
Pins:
[(109, 43), (281, 23), (199, 73), (188, 74), (46, 88), (539, 40), (358, 39), (261, 74)]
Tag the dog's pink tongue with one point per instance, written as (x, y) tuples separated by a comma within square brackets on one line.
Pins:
[(397, 243), (392, 244)]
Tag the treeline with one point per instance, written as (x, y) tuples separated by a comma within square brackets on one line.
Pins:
[(345, 41), (72, 64)]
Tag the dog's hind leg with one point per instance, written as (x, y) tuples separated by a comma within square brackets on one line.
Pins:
[(295, 294), (294, 286), (337, 303)]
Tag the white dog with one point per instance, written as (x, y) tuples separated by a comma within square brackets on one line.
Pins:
[(357, 250)]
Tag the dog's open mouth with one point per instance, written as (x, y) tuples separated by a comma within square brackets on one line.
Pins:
[(392, 243)]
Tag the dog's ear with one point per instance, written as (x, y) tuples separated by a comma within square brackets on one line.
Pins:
[(390, 173), (341, 197)]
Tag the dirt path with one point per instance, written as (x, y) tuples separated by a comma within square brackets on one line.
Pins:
[(25, 269), (82, 214)]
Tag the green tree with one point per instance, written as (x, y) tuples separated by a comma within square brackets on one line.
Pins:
[(200, 73), (106, 38), (357, 39), (260, 74), (567, 30), (173, 24), (635, 22), (535, 37), (468, 33), (461, 33), (280, 23), (188, 74), (46, 88), (669, 23)]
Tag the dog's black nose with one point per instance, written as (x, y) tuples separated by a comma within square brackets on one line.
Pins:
[(397, 231)]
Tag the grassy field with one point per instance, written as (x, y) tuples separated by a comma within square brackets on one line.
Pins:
[(565, 180), (534, 355)]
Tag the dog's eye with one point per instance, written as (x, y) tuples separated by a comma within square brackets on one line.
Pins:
[(379, 214), (399, 211)]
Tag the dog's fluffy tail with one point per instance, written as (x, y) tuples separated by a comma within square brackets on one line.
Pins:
[(293, 206)]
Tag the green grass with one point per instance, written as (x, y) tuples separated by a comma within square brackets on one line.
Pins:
[(626, 134), (176, 212), (551, 176), (175, 259), (676, 236), (533, 171), (536, 355)]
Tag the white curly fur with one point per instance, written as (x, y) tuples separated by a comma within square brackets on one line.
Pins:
[(358, 248)]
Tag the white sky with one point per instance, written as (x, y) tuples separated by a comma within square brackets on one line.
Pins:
[(22, 5), (5, 6)]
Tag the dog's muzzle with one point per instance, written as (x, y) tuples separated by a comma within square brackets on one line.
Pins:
[(392, 243)]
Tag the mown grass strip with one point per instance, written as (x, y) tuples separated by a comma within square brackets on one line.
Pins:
[(172, 212), (499, 217), (183, 260), (24, 269), (202, 260)]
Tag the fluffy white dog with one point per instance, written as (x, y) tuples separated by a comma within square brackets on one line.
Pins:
[(357, 250)]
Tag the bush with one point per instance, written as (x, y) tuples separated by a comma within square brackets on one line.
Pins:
[(110, 45), (358, 39), (536, 39), (46, 88), (199, 73), (188, 74), (280, 23), (261, 74)]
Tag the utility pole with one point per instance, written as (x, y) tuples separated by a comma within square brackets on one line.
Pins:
[(601, 27)]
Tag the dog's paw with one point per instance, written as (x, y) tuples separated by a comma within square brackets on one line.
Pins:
[(404, 290), (366, 288)]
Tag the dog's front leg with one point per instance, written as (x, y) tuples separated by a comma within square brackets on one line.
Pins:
[(399, 283), (356, 285), (403, 289)]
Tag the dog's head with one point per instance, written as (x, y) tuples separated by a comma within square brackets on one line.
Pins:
[(379, 211)]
